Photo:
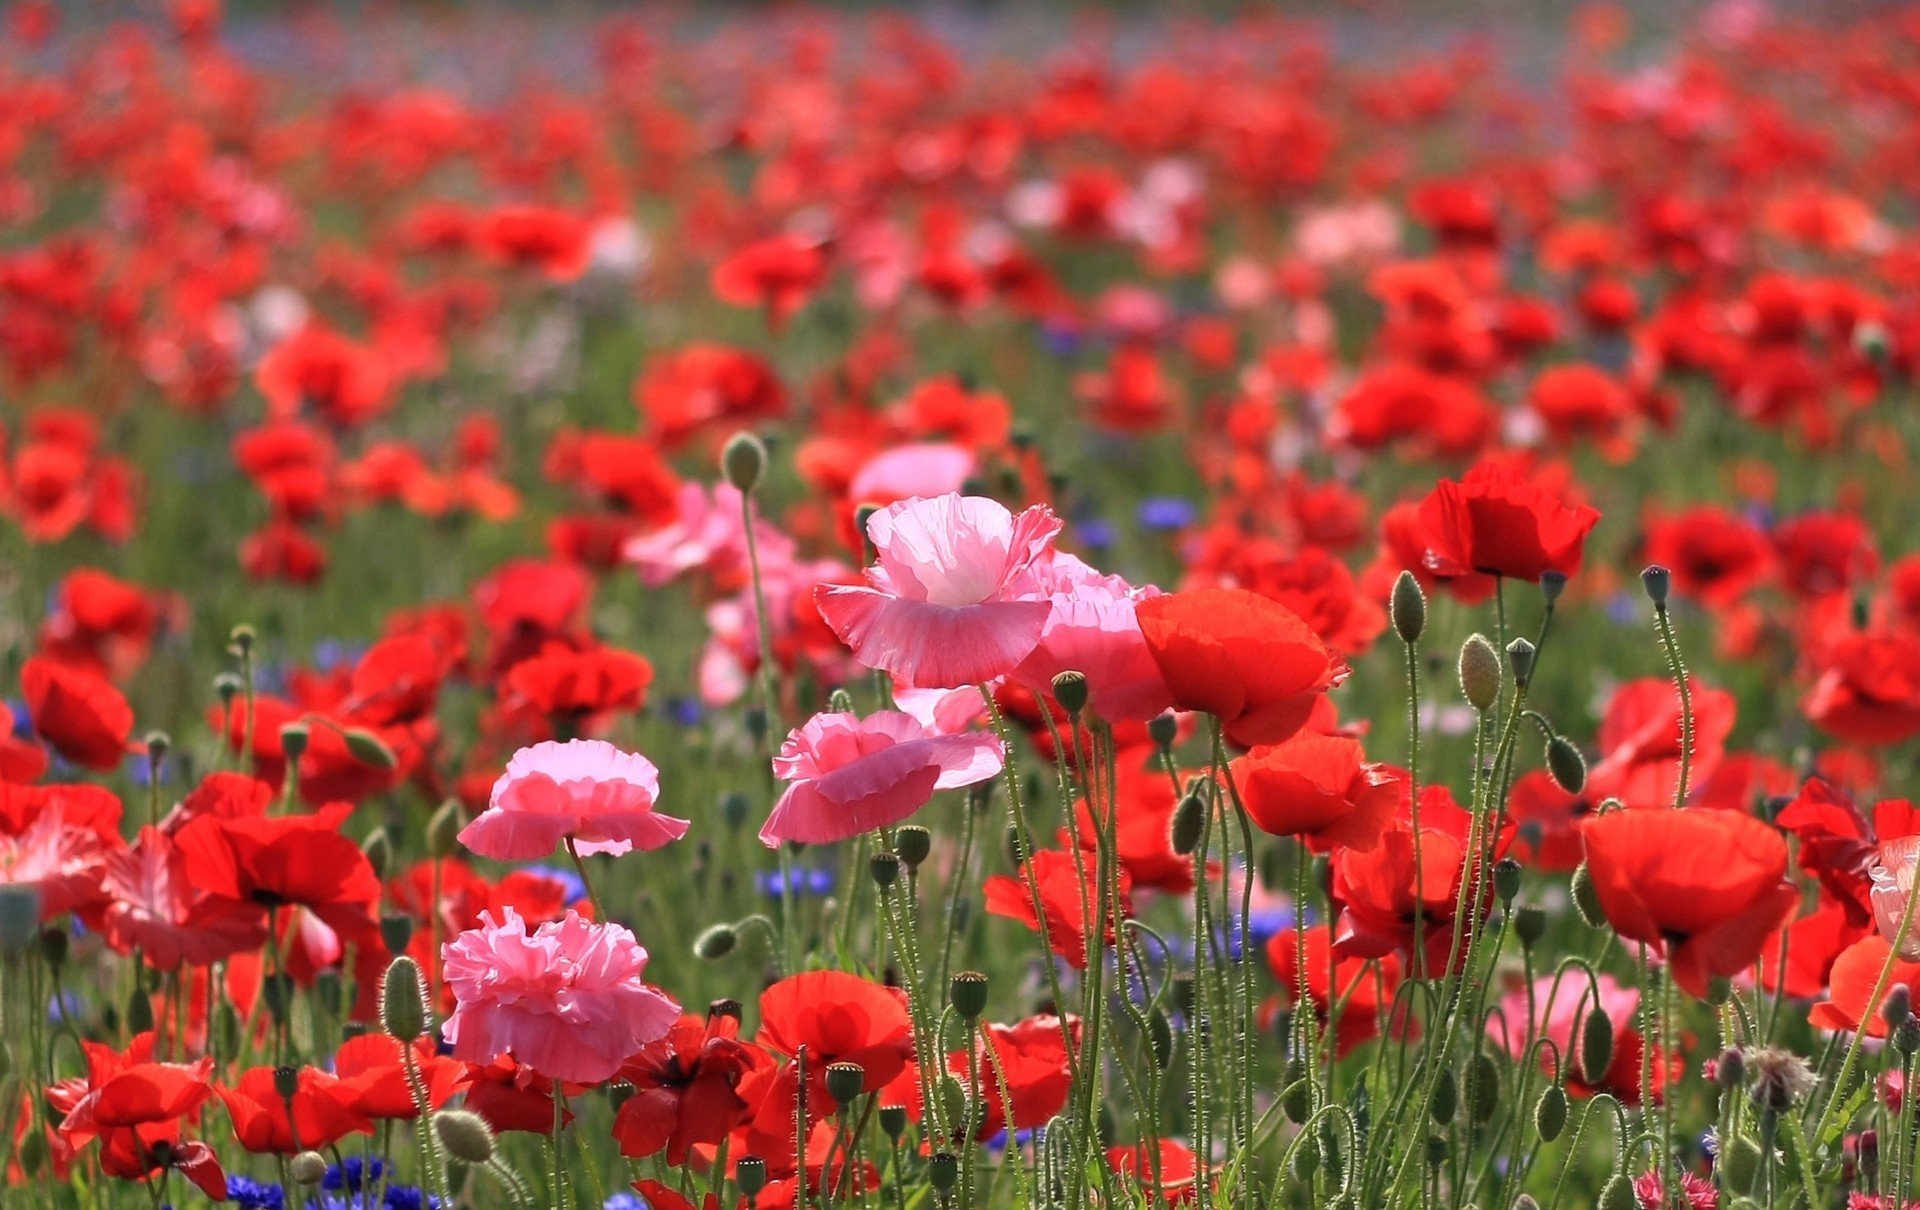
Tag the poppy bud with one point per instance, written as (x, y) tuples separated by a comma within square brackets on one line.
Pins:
[(33, 1152), (1719, 990), (1906, 1039), (953, 1098), (1446, 1098), (228, 686), (1658, 582), (1566, 764), (1586, 898), (1188, 819), (1525, 1202), (754, 719), (139, 1011), (308, 1168), (840, 702), (1163, 729), (1550, 1113), (1486, 1088), (1070, 690), (443, 830), (1520, 654), (1160, 1037), (734, 808), (912, 843), (1296, 1095), (1739, 1158), (1506, 879), (743, 460), (241, 638), (751, 1175), (379, 850), (1479, 672), (1436, 1150), (893, 1121), (1408, 607), (19, 916), (1867, 1148), (369, 749), (1596, 1046), (53, 948), (1306, 1159), (158, 744), (1618, 1194), (1552, 584), (286, 1082), (716, 942), (403, 1000), (968, 994), (1730, 1069), (465, 1134), (885, 868), (1897, 1007), (293, 741), (1529, 924), (845, 1082), (943, 1171)]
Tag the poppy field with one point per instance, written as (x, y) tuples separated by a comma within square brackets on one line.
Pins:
[(832, 608)]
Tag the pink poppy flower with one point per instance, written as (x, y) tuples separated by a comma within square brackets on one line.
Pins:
[(954, 599), (565, 1000), (1092, 629), (585, 788), (852, 775)]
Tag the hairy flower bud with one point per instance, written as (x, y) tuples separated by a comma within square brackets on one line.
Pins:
[(1408, 608), (465, 1134), (403, 1000), (1479, 672), (743, 460)]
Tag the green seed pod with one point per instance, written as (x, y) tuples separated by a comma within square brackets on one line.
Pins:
[(743, 460), (885, 868), (1070, 690), (716, 942), (294, 738), (286, 1082), (1520, 655), (1552, 584), (1566, 764), (1163, 729), (751, 1175), (1586, 898), (1408, 607), (1486, 1088), (1658, 582), (1529, 924), (845, 1082), (228, 687), (308, 1168), (943, 1171), (1506, 879), (403, 1000), (1596, 1045), (241, 638), (893, 1121), (734, 809), (53, 947), (1446, 1098), (1480, 672), (968, 995), (1550, 1114), (369, 749), (913, 843)]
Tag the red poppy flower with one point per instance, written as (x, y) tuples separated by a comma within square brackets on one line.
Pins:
[(1704, 888), (554, 241), (1499, 523), (346, 382), (1319, 788), (1144, 803), (83, 717), (321, 1111), (570, 686), (155, 909), (1869, 691), (287, 860), (1716, 555), (1640, 741), (135, 1107), (1250, 662), (839, 1018), (778, 274), (1175, 1164), (687, 1088), (706, 388), (1363, 986), (1856, 972), (372, 1068), (512, 1097), (1067, 921)]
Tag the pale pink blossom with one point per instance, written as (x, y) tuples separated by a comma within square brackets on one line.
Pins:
[(851, 775), (58, 859), (1892, 876), (928, 468), (953, 599), (709, 536), (1092, 629), (586, 789), (566, 1000), (155, 909)]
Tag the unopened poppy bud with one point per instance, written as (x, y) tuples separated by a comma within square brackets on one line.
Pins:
[(1658, 582), (139, 1011), (943, 1171), (913, 843), (1520, 654), (1529, 924), (1552, 584), (1730, 1069), (1446, 1097), (1188, 820), (845, 1082), (1163, 729), (1408, 607), (716, 942), (734, 808), (1436, 1150), (1596, 1046), (1719, 990), (1867, 1148), (968, 995), (1906, 1039), (893, 1121), (369, 749), (228, 686), (465, 1134), (751, 1175), (378, 847), (1550, 1113), (33, 1152), (1486, 1088), (1618, 1194), (754, 719), (1070, 690), (53, 948), (443, 830), (308, 1168), (158, 744), (19, 916), (743, 460), (403, 1000), (885, 868), (1740, 1160), (286, 1082), (1506, 879), (1566, 764), (1897, 1007), (1479, 672), (1306, 1160), (1586, 897), (241, 638), (1296, 1092), (293, 741)]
